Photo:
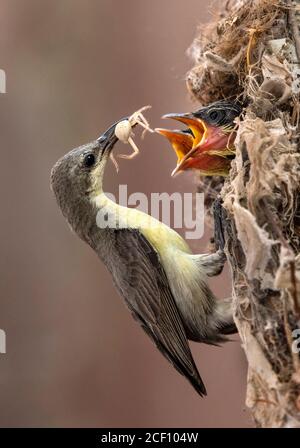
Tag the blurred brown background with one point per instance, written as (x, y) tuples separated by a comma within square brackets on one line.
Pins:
[(75, 357)]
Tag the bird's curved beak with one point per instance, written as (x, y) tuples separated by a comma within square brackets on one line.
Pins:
[(204, 138), (108, 139)]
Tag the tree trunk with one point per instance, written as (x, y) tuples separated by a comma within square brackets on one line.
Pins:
[(252, 52)]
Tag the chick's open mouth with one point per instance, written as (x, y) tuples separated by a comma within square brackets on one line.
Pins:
[(199, 138)]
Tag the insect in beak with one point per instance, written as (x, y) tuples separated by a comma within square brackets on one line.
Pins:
[(123, 131)]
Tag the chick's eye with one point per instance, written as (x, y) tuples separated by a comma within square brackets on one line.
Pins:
[(89, 160), (214, 115)]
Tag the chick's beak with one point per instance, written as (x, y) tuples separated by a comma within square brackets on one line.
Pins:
[(196, 125), (205, 138), (181, 141)]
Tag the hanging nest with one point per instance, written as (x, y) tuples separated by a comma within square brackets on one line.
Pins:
[(252, 52)]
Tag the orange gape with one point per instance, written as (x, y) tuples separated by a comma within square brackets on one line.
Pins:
[(208, 143), (209, 154)]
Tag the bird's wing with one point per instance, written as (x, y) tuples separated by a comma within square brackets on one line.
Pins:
[(142, 281)]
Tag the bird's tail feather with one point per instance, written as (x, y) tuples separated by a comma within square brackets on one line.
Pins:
[(198, 385), (192, 375)]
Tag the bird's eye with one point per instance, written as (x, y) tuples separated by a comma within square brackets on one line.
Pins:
[(89, 160), (214, 115)]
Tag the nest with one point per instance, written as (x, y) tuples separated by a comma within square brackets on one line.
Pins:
[(252, 52), (224, 50)]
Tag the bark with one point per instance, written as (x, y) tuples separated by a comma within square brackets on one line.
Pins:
[(252, 52)]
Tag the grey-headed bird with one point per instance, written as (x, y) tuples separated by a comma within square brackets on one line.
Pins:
[(163, 284)]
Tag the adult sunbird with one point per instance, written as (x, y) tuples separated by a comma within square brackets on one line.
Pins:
[(163, 284)]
